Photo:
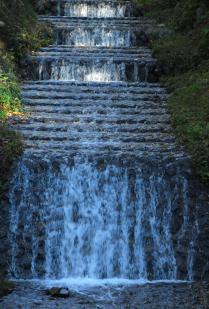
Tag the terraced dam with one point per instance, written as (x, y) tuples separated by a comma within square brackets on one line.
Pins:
[(102, 191)]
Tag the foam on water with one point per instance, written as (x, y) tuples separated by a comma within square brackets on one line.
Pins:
[(85, 283)]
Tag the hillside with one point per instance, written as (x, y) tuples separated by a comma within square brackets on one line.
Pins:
[(20, 34), (183, 63)]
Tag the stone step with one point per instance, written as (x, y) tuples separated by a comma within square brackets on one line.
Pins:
[(64, 51), (90, 110), (149, 134), (102, 145), (62, 95), (93, 127), (110, 21), (95, 87), (66, 48), (116, 156), (106, 25), (96, 109), (122, 112), (94, 58), (84, 136), (106, 95), (89, 54), (66, 97), (109, 104), (118, 119)]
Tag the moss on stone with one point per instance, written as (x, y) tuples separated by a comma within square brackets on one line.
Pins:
[(10, 148), (6, 287)]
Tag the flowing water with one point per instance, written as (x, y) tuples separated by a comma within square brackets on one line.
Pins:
[(94, 222), (101, 190)]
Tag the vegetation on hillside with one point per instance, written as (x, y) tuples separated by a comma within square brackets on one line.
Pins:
[(9, 89), (20, 34), (183, 61)]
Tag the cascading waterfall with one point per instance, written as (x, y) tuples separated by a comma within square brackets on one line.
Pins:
[(94, 70), (73, 216), (85, 221)]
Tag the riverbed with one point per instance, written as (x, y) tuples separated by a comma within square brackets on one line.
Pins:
[(160, 295)]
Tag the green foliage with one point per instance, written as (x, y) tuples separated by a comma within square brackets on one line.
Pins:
[(181, 53), (157, 9), (183, 60), (22, 35), (189, 105), (30, 40), (21, 32), (180, 14), (9, 95)]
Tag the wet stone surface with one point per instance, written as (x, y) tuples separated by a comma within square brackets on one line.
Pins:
[(158, 295)]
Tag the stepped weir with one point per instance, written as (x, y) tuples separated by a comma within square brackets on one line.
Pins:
[(102, 190)]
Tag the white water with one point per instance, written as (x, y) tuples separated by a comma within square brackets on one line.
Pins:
[(92, 70), (99, 10), (98, 37), (83, 72), (92, 223)]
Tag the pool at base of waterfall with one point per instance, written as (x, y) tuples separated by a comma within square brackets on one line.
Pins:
[(109, 294)]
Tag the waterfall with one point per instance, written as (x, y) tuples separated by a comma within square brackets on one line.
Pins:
[(97, 37), (91, 69), (101, 190), (97, 72), (82, 220), (99, 10)]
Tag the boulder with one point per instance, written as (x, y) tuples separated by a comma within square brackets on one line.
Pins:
[(2, 24), (59, 292)]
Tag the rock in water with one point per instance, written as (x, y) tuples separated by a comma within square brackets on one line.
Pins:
[(58, 292)]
